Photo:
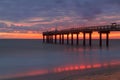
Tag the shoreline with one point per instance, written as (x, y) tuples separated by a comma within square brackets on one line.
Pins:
[(112, 73), (88, 74)]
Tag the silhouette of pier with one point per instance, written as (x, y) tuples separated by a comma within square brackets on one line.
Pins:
[(51, 36)]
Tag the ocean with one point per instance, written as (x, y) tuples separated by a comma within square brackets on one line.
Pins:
[(19, 58)]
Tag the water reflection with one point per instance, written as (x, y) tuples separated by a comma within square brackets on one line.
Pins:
[(88, 58), (63, 69), (49, 59), (84, 67), (80, 59)]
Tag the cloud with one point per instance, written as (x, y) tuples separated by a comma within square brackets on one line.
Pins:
[(40, 15), (3, 25), (19, 10)]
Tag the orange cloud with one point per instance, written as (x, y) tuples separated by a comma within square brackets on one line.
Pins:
[(20, 35), (37, 20)]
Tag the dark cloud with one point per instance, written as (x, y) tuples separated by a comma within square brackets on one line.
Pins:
[(21, 29), (23, 10), (3, 25), (113, 1)]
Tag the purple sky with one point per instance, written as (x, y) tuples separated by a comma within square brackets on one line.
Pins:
[(22, 16)]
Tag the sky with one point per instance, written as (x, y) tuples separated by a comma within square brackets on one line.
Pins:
[(29, 18)]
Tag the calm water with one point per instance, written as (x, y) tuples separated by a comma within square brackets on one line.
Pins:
[(31, 57)]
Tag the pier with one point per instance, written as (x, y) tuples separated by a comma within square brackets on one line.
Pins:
[(51, 36)]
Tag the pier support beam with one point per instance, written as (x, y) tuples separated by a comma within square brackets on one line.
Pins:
[(55, 38), (107, 39), (47, 38), (100, 39), (84, 39), (62, 38), (51, 39), (77, 40), (67, 38), (90, 39), (72, 39)]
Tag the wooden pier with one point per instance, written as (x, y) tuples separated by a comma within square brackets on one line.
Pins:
[(51, 36)]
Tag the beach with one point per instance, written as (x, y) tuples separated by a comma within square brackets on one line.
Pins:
[(105, 76), (108, 74)]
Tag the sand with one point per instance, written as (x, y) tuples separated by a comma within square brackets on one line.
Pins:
[(104, 76), (109, 73)]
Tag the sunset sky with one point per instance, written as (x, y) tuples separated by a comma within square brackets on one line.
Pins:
[(29, 18)]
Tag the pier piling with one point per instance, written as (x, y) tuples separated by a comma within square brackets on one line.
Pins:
[(77, 40), (84, 39), (72, 39), (67, 38)]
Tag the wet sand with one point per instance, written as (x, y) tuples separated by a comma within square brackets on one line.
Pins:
[(104, 76), (105, 73), (109, 74)]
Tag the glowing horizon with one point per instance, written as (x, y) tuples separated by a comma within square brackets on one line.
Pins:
[(20, 36), (95, 35)]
